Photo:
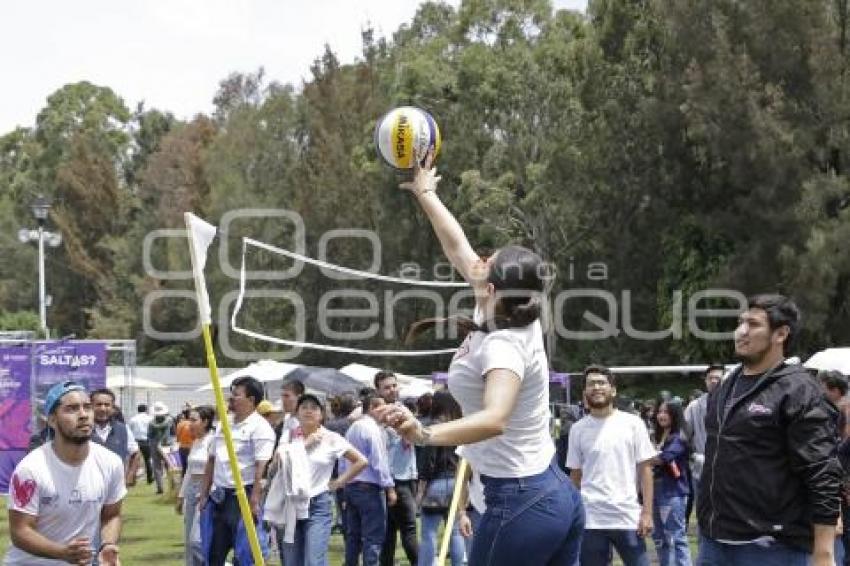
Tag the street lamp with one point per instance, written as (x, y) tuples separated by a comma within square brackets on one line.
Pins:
[(40, 209)]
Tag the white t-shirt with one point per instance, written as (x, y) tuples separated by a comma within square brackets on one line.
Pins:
[(198, 455), (253, 441), (607, 451), (525, 448), (322, 458), (66, 499)]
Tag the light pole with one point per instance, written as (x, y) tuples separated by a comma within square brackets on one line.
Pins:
[(40, 208)]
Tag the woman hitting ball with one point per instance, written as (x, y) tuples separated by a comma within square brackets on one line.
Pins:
[(500, 377)]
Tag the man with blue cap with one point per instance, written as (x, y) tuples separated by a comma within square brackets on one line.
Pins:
[(66, 491)]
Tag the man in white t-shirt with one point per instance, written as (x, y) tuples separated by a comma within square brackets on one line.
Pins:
[(253, 440), (67, 491), (609, 452)]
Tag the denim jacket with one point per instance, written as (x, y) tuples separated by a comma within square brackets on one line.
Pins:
[(673, 451)]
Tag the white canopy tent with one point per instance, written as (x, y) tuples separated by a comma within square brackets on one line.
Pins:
[(831, 359), (264, 370), (409, 386), (117, 382)]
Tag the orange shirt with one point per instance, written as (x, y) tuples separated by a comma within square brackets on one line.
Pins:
[(185, 438)]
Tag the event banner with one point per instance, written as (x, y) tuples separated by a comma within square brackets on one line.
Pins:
[(15, 409), (53, 362), (26, 374)]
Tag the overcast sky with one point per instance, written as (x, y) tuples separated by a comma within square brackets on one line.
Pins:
[(173, 53)]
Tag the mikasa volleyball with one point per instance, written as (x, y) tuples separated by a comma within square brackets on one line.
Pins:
[(404, 131)]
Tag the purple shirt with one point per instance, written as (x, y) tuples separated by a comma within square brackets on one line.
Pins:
[(367, 437)]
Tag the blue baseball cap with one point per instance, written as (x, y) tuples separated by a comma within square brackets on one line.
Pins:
[(59, 390)]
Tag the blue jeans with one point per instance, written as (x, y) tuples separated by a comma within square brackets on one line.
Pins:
[(312, 535), (439, 489), (193, 555), (713, 553), (365, 523), (670, 533), (428, 544), (530, 520), (596, 547)]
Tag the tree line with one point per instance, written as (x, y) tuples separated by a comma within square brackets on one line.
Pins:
[(649, 149)]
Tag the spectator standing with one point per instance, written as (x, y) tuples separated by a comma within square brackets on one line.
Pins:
[(309, 545), (365, 499), (184, 435), (695, 429), (253, 440), (671, 487), (437, 471), (835, 387), (159, 436), (114, 434), (610, 454), (67, 492), (138, 426), (769, 492), (201, 420), (290, 391), (340, 424), (401, 517)]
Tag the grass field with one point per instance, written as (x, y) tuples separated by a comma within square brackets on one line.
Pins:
[(153, 533)]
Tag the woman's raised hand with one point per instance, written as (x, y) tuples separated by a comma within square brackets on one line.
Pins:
[(425, 176)]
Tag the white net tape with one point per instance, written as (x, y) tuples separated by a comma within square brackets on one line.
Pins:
[(354, 272)]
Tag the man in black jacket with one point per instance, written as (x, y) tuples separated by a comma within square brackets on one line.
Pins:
[(769, 493)]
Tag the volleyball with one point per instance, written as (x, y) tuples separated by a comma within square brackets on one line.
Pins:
[(403, 132)]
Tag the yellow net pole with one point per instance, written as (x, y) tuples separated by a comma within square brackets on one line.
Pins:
[(244, 506), (450, 520)]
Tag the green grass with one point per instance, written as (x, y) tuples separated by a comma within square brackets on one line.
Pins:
[(153, 533)]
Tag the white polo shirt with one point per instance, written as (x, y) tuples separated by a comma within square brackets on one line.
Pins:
[(253, 441)]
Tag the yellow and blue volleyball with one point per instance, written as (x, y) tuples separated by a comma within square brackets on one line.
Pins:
[(403, 132)]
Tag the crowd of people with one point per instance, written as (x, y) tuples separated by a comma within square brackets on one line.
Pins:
[(758, 455)]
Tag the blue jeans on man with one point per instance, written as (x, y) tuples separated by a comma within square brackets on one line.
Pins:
[(596, 547), (365, 523), (714, 553), (312, 535)]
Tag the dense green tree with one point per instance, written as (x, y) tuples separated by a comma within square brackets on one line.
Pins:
[(650, 149)]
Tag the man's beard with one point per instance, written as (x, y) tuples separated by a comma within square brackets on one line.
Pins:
[(80, 438), (598, 404)]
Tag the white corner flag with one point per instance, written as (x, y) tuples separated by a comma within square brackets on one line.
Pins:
[(201, 234)]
